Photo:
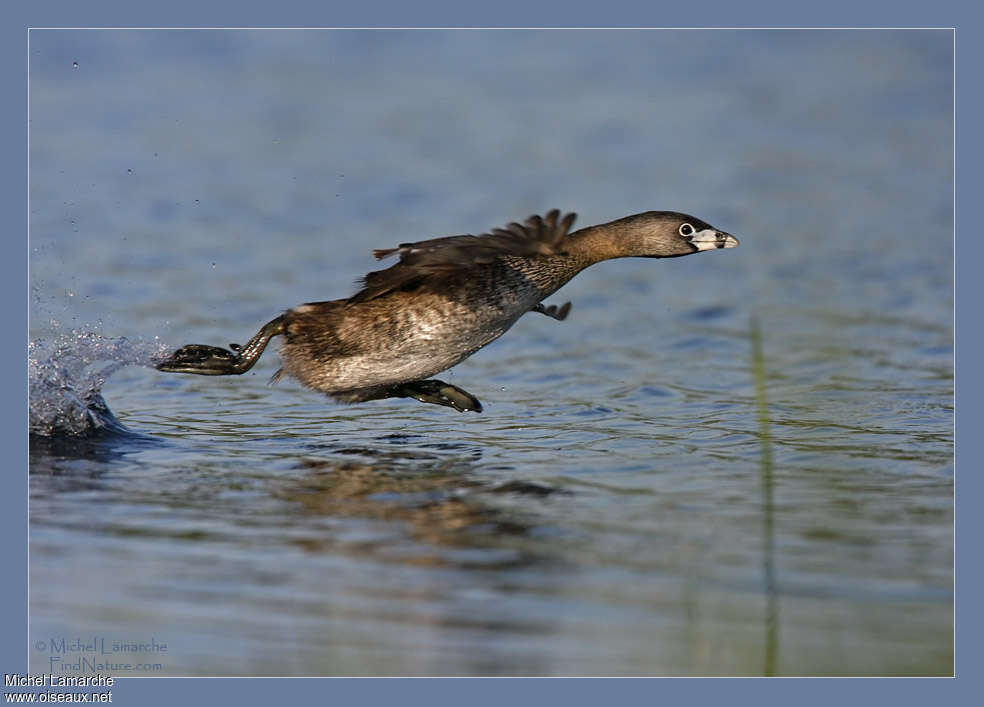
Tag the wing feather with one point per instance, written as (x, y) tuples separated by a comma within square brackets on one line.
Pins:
[(433, 259)]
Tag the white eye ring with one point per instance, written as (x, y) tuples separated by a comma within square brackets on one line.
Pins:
[(686, 230)]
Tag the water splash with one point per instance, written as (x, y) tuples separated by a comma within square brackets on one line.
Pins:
[(66, 375)]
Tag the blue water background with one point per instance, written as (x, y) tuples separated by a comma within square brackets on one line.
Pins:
[(618, 508)]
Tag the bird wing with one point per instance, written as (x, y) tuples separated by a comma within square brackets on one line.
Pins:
[(443, 256)]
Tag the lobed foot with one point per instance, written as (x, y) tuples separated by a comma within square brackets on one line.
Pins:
[(203, 360), (213, 361), (554, 312), (439, 393)]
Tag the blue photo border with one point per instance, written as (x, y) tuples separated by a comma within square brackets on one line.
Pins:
[(293, 13)]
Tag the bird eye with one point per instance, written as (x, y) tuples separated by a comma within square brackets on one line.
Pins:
[(686, 230)]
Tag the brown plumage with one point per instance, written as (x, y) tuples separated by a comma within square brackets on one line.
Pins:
[(438, 258), (443, 300)]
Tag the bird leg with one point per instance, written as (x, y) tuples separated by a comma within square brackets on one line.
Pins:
[(214, 361)]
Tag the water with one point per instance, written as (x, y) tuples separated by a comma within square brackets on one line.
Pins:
[(66, 378), (622, 506)]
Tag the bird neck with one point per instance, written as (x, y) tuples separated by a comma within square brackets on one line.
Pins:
[(617, 239)]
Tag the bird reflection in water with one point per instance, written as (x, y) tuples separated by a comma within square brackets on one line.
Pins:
[(445, 510)]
